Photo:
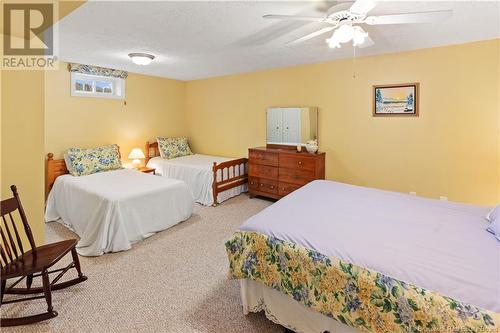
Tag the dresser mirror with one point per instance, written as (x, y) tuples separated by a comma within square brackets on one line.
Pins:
[(292, 126)]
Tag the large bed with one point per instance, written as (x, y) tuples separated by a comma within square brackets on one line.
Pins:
[(344, 258), (112, 210), (212, 179)]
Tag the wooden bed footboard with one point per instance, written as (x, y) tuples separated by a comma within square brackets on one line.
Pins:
[(232, 173)]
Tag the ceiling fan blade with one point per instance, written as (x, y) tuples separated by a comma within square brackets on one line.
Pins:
[(311, 35), (367, 43), (423, 17), (362, 7), (338, 6), (295, 17)]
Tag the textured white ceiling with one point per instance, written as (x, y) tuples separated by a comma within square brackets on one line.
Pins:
[(194, 40)]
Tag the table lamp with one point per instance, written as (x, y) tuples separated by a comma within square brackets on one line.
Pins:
[(136, 155)]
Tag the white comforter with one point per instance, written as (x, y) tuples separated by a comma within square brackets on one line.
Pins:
[(111, 210), (437, 245), (196, 171)]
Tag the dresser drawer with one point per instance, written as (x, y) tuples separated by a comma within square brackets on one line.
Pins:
[(299, 177), (253, 183), (268, 186), (262, 186), (297, 162), (257, 170), (263, 158), (286, 188)]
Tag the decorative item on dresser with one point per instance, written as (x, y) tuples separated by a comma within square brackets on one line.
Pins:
[(276, 172)]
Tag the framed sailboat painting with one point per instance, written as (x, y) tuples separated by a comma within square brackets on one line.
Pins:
[(396, 100)]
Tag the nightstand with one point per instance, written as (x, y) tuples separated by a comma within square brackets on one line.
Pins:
[(147, 170)]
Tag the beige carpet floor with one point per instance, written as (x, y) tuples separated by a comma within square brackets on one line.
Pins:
[(174, 281)]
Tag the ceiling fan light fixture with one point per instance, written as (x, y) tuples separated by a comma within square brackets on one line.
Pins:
[(359, 36), (347, 33), (333, 43), (141, 59), (344, 33)]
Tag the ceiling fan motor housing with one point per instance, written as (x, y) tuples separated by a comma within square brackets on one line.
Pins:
[(344, 16)]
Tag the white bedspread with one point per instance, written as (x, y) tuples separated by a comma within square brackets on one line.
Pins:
[(437, 245), (111, 210), (196, 171)]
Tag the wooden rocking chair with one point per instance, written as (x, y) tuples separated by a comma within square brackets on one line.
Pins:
[(35, 262)]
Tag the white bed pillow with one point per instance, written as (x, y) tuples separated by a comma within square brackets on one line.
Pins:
[(494, 218), (494, 228), (493, 214)]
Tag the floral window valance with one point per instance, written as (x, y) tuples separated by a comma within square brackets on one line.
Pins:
[(95, 70)]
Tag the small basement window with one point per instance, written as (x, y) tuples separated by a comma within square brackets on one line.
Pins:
[(85, 85)]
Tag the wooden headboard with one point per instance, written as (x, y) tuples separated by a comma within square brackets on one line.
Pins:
[(152, 150), (56, 168)]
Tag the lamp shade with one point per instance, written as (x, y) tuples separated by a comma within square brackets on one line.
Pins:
[(136, 153)]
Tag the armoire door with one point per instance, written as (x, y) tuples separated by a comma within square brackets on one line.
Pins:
[(291, 125), (275, 125)]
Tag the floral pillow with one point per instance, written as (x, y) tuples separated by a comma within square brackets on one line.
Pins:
[(173, 147), (93, 160)]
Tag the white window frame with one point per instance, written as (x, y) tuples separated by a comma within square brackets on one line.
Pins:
[(118, 85)]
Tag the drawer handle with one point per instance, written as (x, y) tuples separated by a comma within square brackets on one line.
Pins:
[(300, 162), (251, 183), (261, 185), (272, 187)]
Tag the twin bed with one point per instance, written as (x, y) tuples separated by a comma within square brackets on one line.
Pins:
[(212, 179), (342, 258), (111, 210)]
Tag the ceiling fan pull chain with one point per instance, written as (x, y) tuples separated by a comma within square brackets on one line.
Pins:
[(353, 62)]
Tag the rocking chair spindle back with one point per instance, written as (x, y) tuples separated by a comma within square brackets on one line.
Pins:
[(11, 245), (18, 263)]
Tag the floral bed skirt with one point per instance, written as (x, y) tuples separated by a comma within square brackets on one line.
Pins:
[(353, 295)]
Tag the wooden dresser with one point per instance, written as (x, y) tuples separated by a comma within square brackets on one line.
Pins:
[(276, 172)]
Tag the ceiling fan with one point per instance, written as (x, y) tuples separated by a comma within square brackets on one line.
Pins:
[(345, 23)]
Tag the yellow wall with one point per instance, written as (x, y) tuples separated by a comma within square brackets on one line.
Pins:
[(451, 150), (498, 112), (154, 106), (22, 133)]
